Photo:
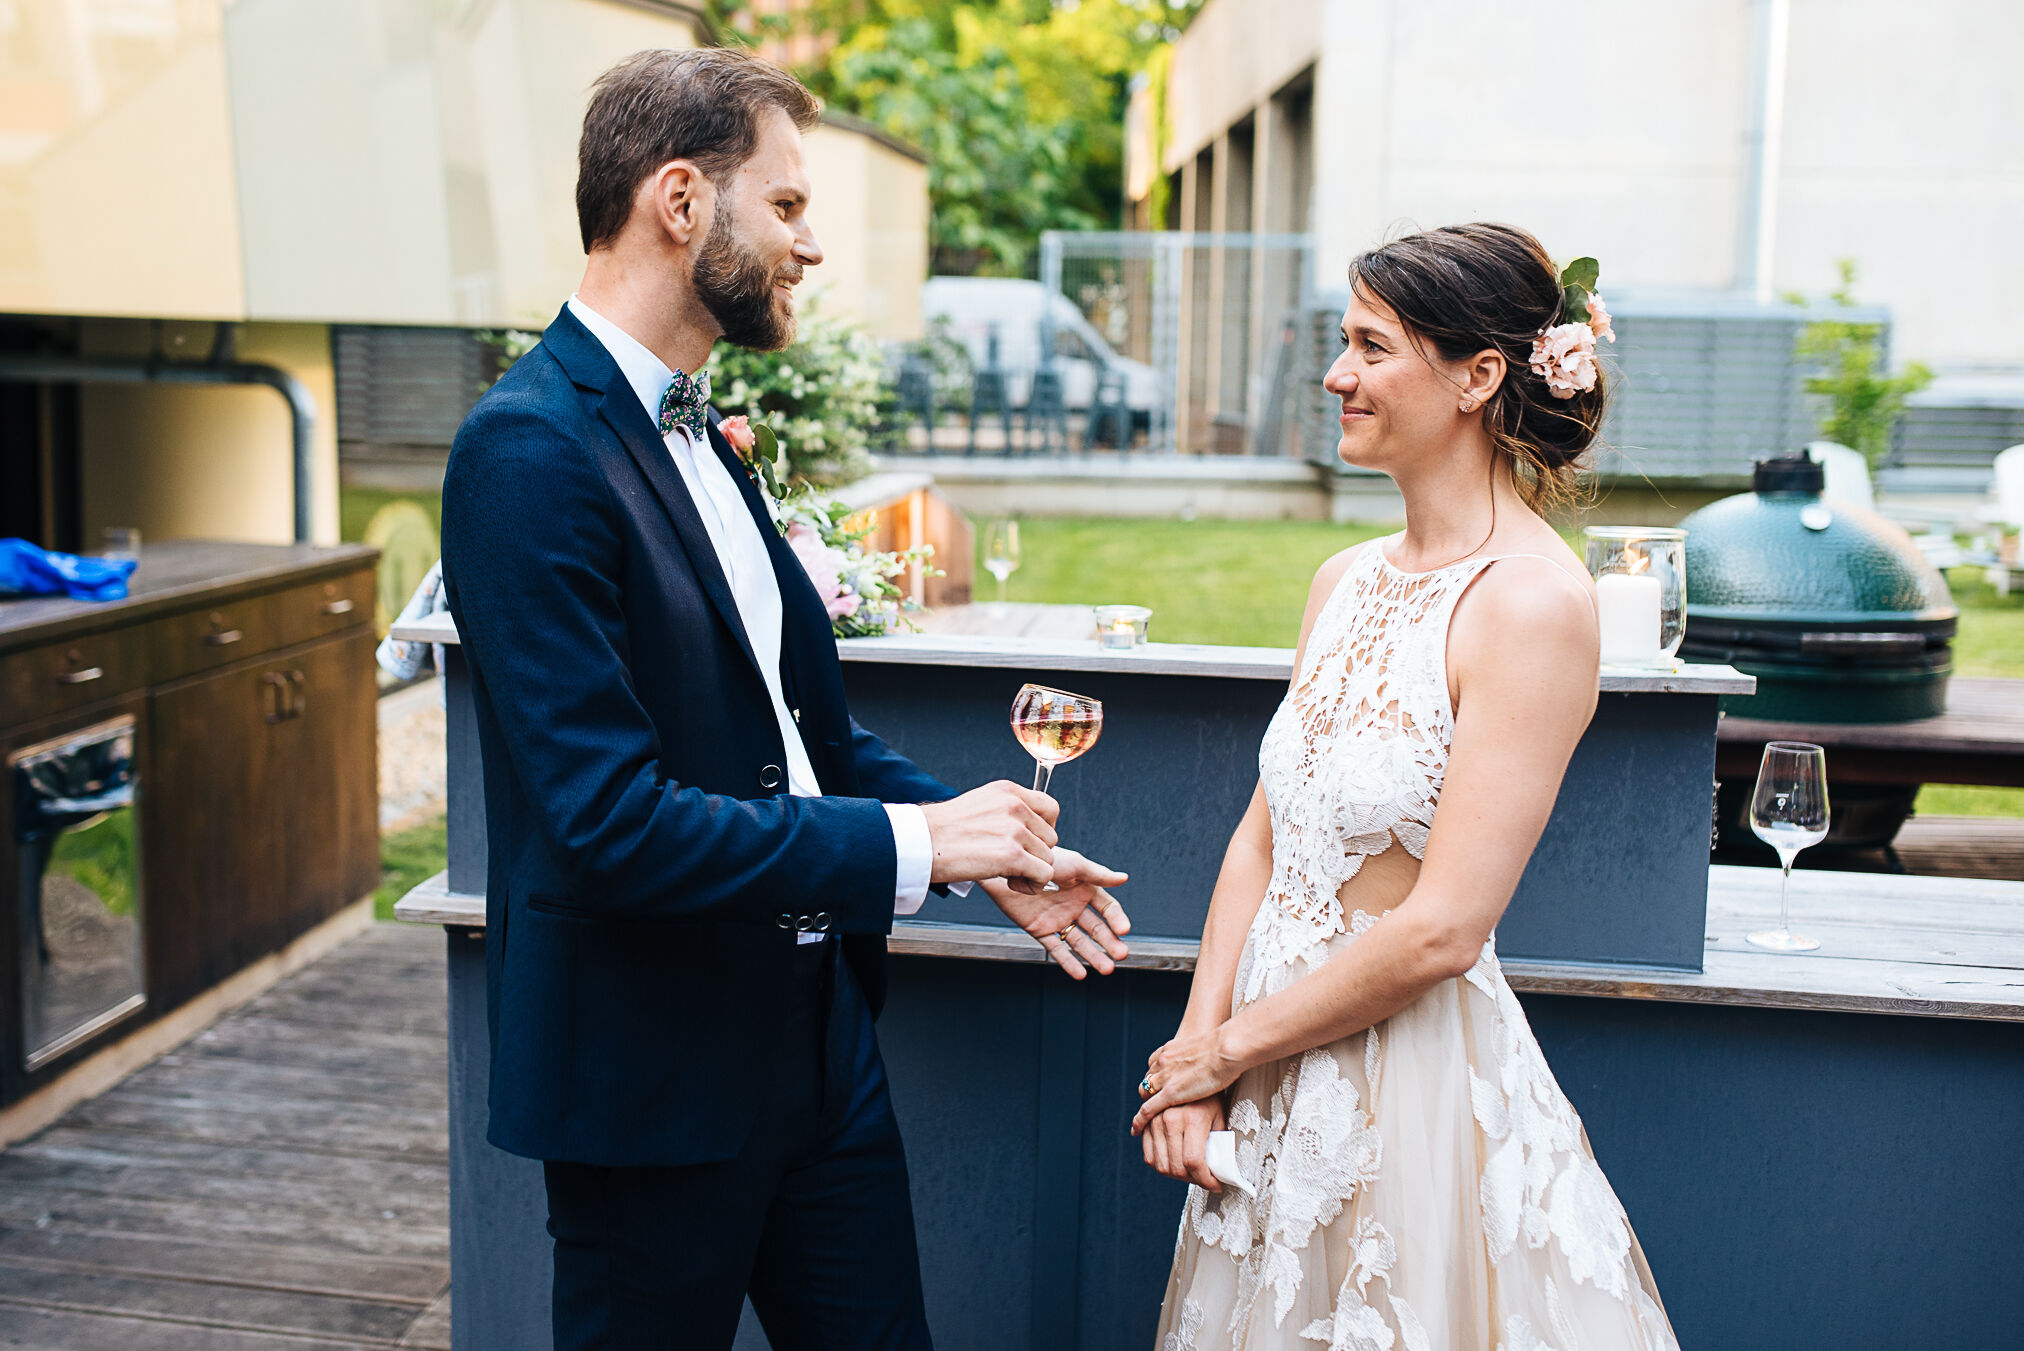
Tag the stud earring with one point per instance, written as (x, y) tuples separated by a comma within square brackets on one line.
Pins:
[(1468, 405)]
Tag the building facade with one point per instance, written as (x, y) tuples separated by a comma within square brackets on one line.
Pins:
[(1726, 145)]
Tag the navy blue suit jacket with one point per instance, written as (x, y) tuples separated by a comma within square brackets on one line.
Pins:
[(643, 841)]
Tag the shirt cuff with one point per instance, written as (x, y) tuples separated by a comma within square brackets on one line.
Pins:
[(915, 849)]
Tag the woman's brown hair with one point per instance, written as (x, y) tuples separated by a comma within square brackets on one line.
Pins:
[(1467, 288)]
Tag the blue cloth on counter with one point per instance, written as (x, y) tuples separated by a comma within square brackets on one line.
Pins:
[(29, 570)]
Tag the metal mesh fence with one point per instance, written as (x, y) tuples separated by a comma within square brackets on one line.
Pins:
[(1197, 335)]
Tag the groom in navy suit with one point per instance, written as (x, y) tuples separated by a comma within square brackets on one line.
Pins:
[(696, 854)]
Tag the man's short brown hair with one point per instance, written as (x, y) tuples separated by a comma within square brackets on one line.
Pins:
[(703, 105)]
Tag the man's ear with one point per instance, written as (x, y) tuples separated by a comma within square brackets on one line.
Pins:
[(680, 198)]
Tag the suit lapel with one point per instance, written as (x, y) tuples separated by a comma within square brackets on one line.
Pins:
[(619, 406), (804, 621)]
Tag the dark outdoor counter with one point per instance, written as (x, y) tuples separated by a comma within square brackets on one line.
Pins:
[(1817, 1151)]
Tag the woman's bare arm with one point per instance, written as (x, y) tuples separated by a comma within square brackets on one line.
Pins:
[(1175, 1146), (1522, 651), (1247, 863)]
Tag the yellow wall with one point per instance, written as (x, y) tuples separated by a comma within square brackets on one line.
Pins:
[(391, 161), (870, 212), (205, 462), (117, 193)]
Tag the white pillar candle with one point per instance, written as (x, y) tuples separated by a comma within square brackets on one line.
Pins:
[(1628, 606)]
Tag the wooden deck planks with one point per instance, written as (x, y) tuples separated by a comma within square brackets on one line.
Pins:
[(277, 1182)]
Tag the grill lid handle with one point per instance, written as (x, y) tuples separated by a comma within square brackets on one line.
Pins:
[(1862, 644)]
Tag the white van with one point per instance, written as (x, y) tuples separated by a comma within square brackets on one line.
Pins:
[(974, 306)]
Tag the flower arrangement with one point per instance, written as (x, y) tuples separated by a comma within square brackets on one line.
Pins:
[(855, 583), (822, 392), (1563, 354)]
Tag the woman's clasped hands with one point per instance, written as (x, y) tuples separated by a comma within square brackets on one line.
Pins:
[(1182, 1102)]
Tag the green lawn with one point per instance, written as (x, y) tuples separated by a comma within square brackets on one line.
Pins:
[(407, 860), (1246, 582), (1241, 582), (357, 506)]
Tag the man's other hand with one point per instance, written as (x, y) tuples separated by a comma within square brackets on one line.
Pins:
[(1076, 921)]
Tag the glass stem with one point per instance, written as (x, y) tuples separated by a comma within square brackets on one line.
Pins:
[(1785, 893), (1001, 590), (1042, 774)]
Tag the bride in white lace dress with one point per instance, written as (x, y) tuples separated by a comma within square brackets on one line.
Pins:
[(1418, 1181)]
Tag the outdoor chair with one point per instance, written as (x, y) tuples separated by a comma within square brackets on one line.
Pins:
[(2005, 566), (989, 394), (1047, 405), (1109, 413), (916, 395)]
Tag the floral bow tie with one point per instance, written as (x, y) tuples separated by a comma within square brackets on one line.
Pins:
[(683, 404)]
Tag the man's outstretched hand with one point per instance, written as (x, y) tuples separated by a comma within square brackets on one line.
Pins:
[(1076, 922)]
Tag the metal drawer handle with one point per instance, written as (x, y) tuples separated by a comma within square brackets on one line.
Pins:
[(299, 702), (88, 674), (336, 607), (277, 703), (225, 639)]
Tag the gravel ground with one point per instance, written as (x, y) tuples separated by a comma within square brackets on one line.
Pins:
[(413, 774)]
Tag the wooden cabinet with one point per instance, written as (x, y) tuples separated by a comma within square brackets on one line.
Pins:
[(254, 696)]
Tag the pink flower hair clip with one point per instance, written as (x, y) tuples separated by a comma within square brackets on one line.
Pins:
[(1563, 354)]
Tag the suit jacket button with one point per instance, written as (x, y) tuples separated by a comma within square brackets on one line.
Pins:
[(785, 921), (822, 921), (769, 777)]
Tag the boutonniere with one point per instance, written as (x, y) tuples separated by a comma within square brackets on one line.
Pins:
[(855, 584), (758, 450)]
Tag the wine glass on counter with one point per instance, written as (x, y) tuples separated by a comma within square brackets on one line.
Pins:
[(1001, 552), (1054, 726), (1788, 811)]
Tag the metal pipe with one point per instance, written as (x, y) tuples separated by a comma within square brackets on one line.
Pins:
[(26, 369)]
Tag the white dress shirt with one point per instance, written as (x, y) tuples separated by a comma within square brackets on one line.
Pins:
[(741, 550)]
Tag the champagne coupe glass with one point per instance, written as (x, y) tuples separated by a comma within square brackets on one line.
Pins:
[(1054, 726), (1789, 812), (1001, 553)]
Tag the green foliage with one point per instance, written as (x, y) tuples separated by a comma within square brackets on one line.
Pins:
[(820, 395), (409, 859), (100, 858), (1863, 401), (1018, 104), (1577, 284)]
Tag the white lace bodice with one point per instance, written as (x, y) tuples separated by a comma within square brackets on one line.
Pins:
[(1354, 758)]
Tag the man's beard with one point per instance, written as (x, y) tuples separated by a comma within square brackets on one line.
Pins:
[(736, 287)]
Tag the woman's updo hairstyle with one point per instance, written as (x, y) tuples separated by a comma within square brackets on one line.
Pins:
[(1465, 288)]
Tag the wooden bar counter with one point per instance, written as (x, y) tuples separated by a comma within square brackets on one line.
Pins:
[(1816, 1151)]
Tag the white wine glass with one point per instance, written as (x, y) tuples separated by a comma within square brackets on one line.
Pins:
[(1001, 552), (1054, 726), (1789, 812)]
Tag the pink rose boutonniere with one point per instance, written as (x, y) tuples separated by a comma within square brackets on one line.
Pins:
[(757, 450)]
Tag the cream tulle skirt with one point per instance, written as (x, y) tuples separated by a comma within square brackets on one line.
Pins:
[(1423, 1186)]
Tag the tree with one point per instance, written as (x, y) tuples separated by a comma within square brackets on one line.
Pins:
[(1018, 104), (1863, 400)]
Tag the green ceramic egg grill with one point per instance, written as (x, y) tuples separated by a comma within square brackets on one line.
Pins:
[(1831, 607)]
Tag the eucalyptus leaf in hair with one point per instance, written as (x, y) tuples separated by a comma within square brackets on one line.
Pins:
[(1577, 283)]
